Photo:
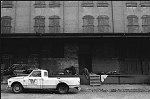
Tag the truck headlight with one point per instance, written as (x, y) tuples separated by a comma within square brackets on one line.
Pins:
[(9, 81)]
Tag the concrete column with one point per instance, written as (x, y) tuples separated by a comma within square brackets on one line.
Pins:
[(22, 17), (71, 17), (118, 17)]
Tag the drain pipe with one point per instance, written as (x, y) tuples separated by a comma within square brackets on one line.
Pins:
[(63, 17), (15, 23), (112, 10)]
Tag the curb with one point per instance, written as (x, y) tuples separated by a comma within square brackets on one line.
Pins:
[(142, 88), (116, 90)]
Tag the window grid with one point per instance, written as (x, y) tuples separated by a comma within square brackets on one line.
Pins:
[(40, 4), (88, 24), (103, 24), (54, 29), (6, 24), (54, 26), (102, 4), (7, 4), (87, 4), (146, 23), (145, 3), (54, 4), (133, 25), (39, 24), (131, 4)]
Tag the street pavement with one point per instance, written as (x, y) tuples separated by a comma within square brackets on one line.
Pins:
[(107, 88), (79, 95), (88, 92)]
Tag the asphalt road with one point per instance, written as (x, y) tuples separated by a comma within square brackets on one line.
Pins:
[(75, 95)]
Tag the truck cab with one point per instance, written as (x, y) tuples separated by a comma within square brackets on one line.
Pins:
[(38, 79)]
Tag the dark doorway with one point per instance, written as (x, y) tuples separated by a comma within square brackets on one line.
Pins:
[(85, 57), (85, 61)]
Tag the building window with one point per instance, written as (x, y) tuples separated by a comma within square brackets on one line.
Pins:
[(39, 24), (145, 3), (102, 4), (36, 74), (87, 4), (88, 24), (146, 23), (54, 4), (54, 26), (131, 3), (7, 4), (40, 4), (133, 25), (6, 24), (103, 24)]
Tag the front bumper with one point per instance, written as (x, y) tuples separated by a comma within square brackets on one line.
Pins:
[(8, 86), (76, 87)]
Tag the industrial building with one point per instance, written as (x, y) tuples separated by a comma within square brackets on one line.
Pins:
[(102, 36)]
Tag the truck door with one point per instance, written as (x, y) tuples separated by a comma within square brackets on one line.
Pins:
[(49, 82), (35, 80)]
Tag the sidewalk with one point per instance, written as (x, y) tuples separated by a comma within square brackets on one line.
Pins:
[(107, 88), (116, 88)]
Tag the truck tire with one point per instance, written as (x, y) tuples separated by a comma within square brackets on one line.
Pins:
[(17, 88), (62, 89)]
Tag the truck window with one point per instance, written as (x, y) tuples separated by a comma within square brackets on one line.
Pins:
[(45, 74), (36, 74)]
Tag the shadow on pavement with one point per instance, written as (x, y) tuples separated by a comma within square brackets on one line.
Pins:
[(32, 91)]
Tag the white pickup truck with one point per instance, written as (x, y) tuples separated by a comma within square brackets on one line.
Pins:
[(38, 79)]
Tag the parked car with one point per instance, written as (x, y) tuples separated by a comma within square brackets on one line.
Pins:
[(22, 69), (38, 79)]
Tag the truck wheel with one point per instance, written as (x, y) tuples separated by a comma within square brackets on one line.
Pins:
[(17, 88), (62, 89)]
